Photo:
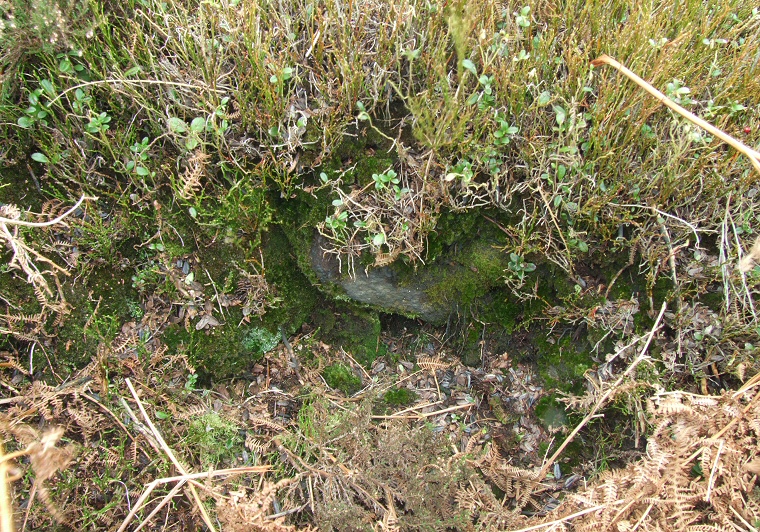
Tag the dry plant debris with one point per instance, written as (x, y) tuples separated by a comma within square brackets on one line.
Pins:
[(311, 458)]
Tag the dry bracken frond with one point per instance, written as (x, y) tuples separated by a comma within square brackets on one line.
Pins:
[(190, 180), (432, 363), (258, 421), (694, 476)]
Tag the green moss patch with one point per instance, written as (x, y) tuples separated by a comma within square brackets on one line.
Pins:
[(340, 377)]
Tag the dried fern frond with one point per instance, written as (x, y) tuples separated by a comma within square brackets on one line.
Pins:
[(190, 180), (258, 421), (432, 363)]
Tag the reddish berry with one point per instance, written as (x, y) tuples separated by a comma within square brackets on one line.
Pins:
[(748, 130)]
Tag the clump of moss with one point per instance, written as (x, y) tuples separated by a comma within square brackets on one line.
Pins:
[(399, 396), (340, 377), (562, 365), (224, 351), (355, 329), (551, 412), (215, 439), (260, 341)]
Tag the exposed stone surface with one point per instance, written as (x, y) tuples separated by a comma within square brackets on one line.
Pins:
[(379, 287)]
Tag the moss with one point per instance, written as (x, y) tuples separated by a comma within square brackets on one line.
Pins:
[(551, 412), (467, 274), (102, 304), (216, 440), (357, 330), (298, 297), (340, 377), (562, 365), (222, 352), (399, 396)]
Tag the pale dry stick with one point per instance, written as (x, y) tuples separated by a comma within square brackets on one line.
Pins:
[(744, 521), (600, 402), (416, 407), (170, 454), (54, 221), (644, 515), (413, 374), (556, 224), (369, 377), (568, 517), (427, 414), (6, 510), (754, 156), (711, 482), (723, 256), (186, 478), (743, 275), (167, 498), (661, 213)]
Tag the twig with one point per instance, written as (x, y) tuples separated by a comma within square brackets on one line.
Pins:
[(132, 82), (187, 478), (428, 414), (753, 155), (170, 454), (167, 498), (54, 221), (6, 510), (567, 518), (600, 402), (711, 482)]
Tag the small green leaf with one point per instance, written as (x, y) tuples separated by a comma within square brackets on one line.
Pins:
[(190, 278), (583, 246), (337, 202), (132, 71), (177, 125), (48, 87), (191, 143), (561, 114), (40, 158), (141, 171), (378, 239), (323, 177), (65, 65), (192, 212), (161, 415), (544, 98), (198, 124), (25, 122), (469, 65), (273, 79)]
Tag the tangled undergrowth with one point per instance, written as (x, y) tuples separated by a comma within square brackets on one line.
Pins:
[(166, 361), (128, 442)]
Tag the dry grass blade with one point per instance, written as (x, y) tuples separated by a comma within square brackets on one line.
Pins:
[(170, 454), (602, 400), (753, 155), (6, 511), (180, 480)]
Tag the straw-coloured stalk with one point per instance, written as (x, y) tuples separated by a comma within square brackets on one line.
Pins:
[(754, 156)]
